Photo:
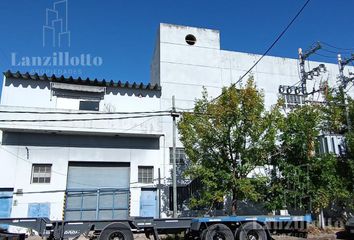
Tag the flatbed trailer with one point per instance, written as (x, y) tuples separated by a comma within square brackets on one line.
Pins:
[(204, 228)]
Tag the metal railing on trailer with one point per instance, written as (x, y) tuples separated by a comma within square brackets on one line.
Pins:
[(110, 203), (205, 228)]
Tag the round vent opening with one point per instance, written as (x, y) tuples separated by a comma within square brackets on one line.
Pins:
[(190, 39)]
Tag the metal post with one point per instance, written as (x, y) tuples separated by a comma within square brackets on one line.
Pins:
[(174, 158), (159, 189), (302, 72), (304, 75), (342, 90), (98, 204)]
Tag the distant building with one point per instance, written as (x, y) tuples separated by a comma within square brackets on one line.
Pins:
[(109, 168)]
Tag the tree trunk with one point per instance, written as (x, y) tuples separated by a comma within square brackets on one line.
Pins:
[(234, 202), (321, 219)]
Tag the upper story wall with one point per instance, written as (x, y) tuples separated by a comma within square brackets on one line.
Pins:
[(185, 66), (24, 90), (31, 93), (176, 34), (185, 69), (273, 71)]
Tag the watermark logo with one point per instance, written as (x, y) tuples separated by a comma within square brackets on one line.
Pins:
[(55, 30), (56, 35)]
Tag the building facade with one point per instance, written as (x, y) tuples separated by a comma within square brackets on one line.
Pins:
[(96, 149)]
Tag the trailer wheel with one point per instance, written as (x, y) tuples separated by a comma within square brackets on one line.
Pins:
[(116, 231), (218, 232), (251, 231), (203, 234)]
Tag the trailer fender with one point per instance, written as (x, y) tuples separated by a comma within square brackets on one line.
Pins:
[(251, 230), (120, 231)]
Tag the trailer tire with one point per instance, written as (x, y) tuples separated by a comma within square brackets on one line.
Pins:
[(203, 234), (116, 231), (251, 231), (219, 231)]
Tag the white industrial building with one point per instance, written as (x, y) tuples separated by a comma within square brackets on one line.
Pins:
[(109, 168)]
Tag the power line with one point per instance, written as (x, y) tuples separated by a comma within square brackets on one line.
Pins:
[(56, 172), (339, 48), (29, 162), (326, 56), (84, 113), (83, 119), (36, 192), (270, 47), (330, 51)]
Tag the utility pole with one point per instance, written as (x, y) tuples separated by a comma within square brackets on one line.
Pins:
[(174, 115), (302, 90), (159, 187), (343, 85), (308, 75)]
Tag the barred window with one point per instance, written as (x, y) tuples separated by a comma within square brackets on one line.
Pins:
[(41, 173), (292, 101), (181, 157), (145, 174)]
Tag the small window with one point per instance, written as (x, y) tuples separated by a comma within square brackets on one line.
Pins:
[(41, 173), (145, 174), (180, 156), (89, 105), (292, 101), (190, 39)]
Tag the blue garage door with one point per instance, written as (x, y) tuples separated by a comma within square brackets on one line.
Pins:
[(148, 203), (39, 210), (97, 191), (5, 203)]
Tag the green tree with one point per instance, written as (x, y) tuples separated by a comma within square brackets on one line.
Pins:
[(298, 137), (225, 140), (327, 184), (334, 120), (310, 178)]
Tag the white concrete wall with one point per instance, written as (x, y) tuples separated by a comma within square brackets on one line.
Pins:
[(186, 69), (37, 96), (181, 69), (20, 168), (19, 174), (26, 94)]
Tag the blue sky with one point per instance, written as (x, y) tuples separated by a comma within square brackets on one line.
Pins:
[(123, 33)]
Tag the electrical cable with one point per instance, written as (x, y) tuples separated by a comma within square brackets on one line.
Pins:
[(349, 88), (269, 48), (29, 162), (339, 48), (326, 56), (59, 173), (82, 119), (83, 113), (329, 51)]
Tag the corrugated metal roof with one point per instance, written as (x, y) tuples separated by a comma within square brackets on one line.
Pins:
[(80, 81)]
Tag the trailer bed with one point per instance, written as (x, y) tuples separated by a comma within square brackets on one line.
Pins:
[(152, 226)]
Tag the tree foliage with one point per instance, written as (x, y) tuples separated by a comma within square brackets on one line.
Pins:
[(334, 120), (298, 134), (225, 140)]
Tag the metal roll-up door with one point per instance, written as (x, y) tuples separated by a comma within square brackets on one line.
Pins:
[(97, 191)]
